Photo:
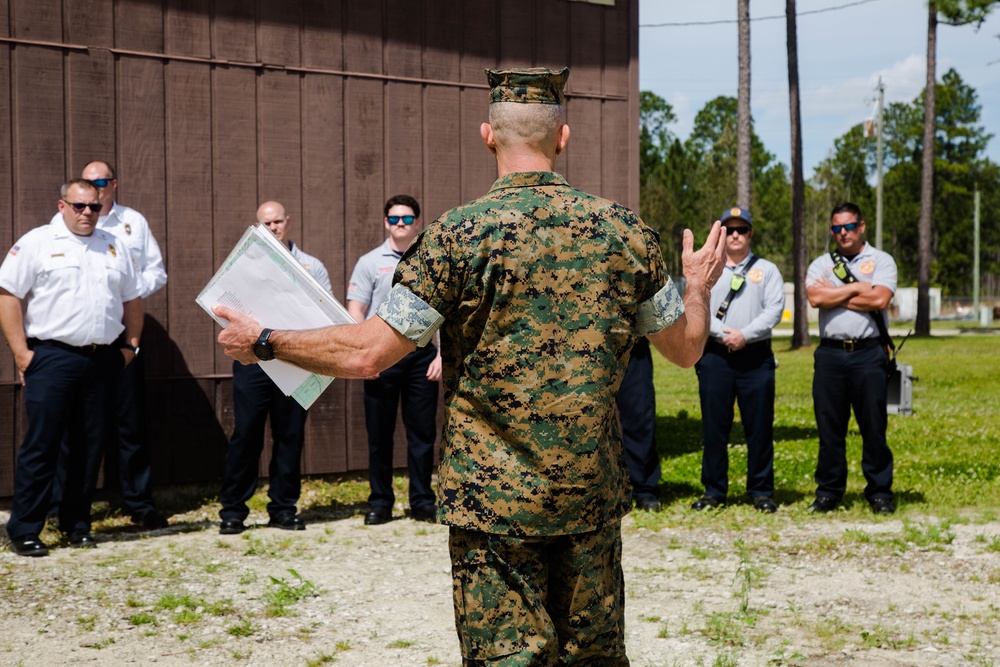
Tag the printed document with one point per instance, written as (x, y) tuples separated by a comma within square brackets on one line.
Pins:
[(260, 278)]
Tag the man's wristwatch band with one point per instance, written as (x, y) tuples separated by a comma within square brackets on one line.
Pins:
[(262, 349)]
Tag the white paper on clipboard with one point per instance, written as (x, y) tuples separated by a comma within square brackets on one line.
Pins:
[(262, 279)]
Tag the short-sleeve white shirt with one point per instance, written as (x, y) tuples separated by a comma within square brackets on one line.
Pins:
[(74, 286), (132, 229)]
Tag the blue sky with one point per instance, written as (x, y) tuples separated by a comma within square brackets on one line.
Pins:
[(842, 53)]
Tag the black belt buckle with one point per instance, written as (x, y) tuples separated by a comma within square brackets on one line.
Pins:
[(89, 349), (848, 346)]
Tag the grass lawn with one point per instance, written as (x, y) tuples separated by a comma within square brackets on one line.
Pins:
[(946, 453)]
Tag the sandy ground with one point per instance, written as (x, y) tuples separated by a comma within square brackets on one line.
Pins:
[(791, 590)]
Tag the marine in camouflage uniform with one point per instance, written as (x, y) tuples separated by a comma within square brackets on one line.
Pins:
[(540, 287), (539, 291)]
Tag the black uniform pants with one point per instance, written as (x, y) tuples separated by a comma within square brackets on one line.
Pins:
[(636, 399), (405, 381), (841, 381), (746, 377), (254, 397), (71, 393), (127, 451)]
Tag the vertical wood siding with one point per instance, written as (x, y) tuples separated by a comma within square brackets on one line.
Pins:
[(209, 107)]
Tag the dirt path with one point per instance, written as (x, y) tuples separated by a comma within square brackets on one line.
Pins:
[(818, 591)]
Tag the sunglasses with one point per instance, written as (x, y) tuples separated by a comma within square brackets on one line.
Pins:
[(851, 226), (96, 208), (742, 231), (407, 219), (101, 182)]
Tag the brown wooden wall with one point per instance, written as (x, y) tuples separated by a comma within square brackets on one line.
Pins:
[(208, 107)]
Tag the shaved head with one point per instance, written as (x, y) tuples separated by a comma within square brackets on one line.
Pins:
[(534, 126), (272, 215)]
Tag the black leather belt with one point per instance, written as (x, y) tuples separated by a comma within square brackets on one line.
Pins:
[(850, 345), (86, 350), (718, 348)]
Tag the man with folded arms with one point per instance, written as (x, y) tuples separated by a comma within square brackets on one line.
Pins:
[(851, 286)]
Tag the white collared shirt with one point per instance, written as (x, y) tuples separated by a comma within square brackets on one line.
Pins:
[(74, 286), (132, 229)]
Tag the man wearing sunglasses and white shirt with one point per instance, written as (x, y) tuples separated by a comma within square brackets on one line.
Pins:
[(738, 365), (412, 380), (81, 326), (851, 287), (127, 450)]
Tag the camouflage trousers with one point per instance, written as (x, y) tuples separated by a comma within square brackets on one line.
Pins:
[(539, 601)]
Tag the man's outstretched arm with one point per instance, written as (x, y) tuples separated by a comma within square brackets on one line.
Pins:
[(346, 351)]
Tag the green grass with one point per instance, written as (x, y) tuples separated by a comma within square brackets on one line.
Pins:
[(942, 460), (281, 593)]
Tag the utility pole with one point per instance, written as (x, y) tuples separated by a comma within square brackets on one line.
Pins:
[(975, 255), (878, 167)]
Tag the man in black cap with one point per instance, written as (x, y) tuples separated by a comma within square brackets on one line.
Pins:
[(747, 302), (539, 291)]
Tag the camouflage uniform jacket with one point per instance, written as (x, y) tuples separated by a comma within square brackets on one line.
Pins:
[(537, 288)]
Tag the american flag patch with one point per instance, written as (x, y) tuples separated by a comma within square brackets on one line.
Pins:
[(14, 249)]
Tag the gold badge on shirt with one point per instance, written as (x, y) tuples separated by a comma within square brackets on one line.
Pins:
[(867, 267), (111, 249), (128, 228), (755, 275)]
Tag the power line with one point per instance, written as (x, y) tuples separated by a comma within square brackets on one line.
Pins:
[(758, 18)]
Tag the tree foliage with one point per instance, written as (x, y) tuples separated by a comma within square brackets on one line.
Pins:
[(689, 182)]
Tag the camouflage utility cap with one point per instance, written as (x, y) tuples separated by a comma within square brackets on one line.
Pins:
[(531, 85)]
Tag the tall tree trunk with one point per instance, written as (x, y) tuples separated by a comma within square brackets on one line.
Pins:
[(800, 331), (923, 323), (743, 109)]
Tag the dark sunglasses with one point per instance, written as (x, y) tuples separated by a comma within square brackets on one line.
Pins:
[(407, 219), (101, 182), (96, 208), (742, 231), (851, 226)]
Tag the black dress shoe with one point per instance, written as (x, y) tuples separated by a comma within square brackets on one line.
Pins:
[(29, 546), (764, 504), (882, 505), (378, 515), (707, 503), (82, 541), (287, 521), (150, 520), (231, 527), (824, 504), (647, 504), (426, 514)]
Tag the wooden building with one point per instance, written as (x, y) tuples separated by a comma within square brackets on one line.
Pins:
[(209, 107)]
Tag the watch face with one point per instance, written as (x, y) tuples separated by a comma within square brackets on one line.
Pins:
[(262, 348)]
